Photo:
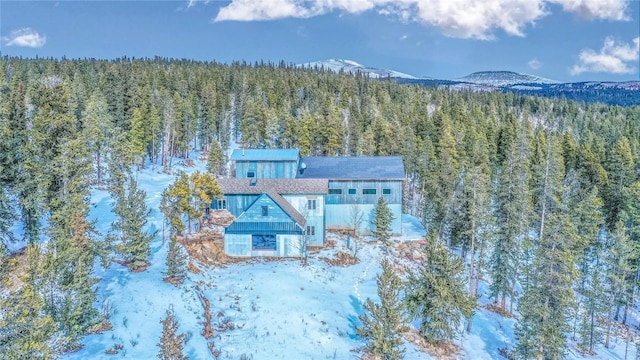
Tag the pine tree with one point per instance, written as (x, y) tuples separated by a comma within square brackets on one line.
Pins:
[(171, 343), (621, 168), (447, 175), (548, 298), (470, 217), (382, 219), (97, 128), (214, 160), (384, 322), (137, 136), (176, 262), (436, 294), (25, 329), (129, 228), (512, 215)]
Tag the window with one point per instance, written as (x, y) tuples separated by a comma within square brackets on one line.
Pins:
[(251, 174), (311, 204), (263, 242), (369, 191), (386, 191), (221, 204), (352, 191), (265, 211), (311, 230), (335, 191)]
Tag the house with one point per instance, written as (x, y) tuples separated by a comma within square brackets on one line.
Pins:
[(274, 217), (283, 203), (355, 184)]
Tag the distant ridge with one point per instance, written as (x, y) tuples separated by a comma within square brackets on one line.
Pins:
[(352, 67), (612, 93), (504, 78)]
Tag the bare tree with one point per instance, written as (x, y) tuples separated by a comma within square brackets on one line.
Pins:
[(356, 217)]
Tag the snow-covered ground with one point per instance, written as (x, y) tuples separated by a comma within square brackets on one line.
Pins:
[(280, 309)]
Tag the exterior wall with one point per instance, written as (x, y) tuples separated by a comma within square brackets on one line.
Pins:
[(338, 216), (237, 204), (395, 186), (239, 245), (339, 207), (314, 218), (254, 213), (267, 169)]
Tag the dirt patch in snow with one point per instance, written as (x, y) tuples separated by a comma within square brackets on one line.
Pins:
[(206, 247), (341, 258), (443, 350)]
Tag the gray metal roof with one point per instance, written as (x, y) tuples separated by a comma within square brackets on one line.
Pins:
[(265, 154), (280, 186), (351, 167)]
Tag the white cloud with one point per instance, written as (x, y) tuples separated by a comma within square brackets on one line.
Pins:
[(613, 58), (476, 19), (192, 3), (403, 37), (249, 10), (596, 9), (534, 64), (25, 37)]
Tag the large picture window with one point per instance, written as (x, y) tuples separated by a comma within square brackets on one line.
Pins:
[(263, 242)]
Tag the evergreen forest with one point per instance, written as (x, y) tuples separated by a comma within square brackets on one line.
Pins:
[(539, 197)]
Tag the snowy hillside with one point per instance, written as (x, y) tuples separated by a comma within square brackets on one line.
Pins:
[(504, 78), (352, 67), (265, 309)]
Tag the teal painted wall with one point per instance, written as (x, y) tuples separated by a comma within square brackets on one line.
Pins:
[(267, 169), (394, 186), (236, 204), (254, 212)]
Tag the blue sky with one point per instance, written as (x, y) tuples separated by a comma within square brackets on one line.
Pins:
[(565, 40)]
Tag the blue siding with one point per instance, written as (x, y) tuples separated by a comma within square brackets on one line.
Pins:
[(237, 204), (267, 169), (264, 228), (394, 186), (254, 212), (265, 154)]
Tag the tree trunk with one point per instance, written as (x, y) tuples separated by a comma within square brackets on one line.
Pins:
[(472, 258), (99, 167)]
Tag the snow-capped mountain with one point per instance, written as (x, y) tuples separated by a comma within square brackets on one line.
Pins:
[(350, 66), (613, 93), (504, 78)]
